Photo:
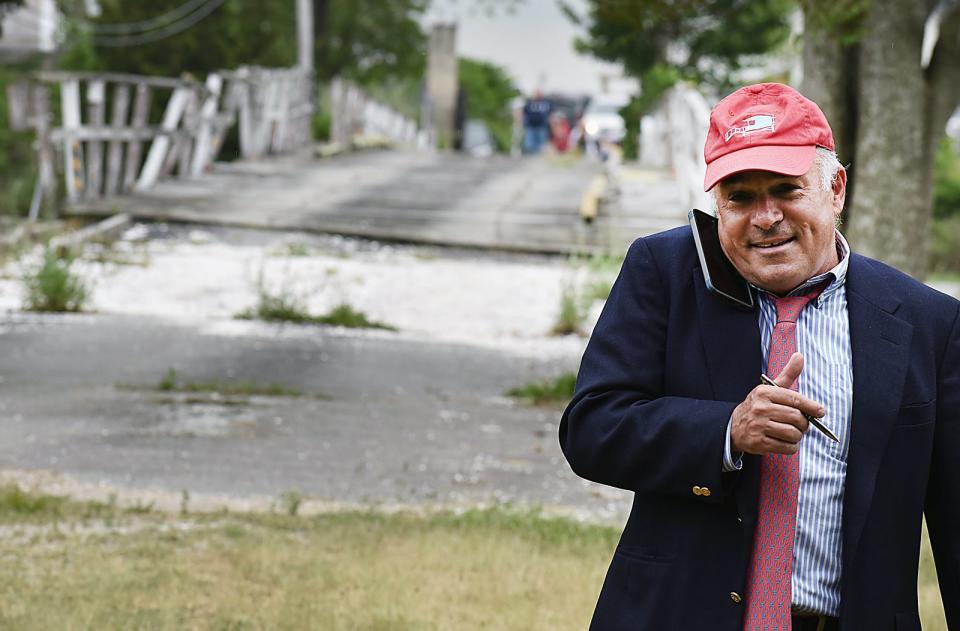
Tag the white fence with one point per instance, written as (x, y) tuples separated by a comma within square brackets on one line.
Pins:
[(354, 113), (673, 137), (103, 137)]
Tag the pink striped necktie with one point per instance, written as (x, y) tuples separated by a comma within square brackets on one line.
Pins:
[(770, 574)]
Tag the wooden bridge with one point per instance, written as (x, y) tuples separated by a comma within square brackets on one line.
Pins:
[(157, 160)]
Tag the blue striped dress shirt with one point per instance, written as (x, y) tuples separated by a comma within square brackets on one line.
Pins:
[(823, 338)]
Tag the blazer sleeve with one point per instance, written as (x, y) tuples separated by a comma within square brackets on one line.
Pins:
[(943, 488), (620, 428)]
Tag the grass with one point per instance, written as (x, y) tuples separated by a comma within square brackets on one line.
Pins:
[(53, 287), (493, 569), (298, 249), (171, 383), (285, 307), (556, 391), (484, 569)]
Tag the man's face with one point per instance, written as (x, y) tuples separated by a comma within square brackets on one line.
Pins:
[(778, 230)]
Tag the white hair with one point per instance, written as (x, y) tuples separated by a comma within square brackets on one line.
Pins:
[(828, 166)]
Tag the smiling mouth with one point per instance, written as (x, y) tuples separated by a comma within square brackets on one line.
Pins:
[(773, 244)]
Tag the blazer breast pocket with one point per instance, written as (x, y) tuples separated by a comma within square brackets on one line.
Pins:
[(916, 415)]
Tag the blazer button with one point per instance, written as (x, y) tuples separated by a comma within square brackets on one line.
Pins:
[(704, 491), (735, 597), (697, 491)]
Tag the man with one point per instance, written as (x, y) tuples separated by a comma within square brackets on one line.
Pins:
[(744, 516), (536, 123)]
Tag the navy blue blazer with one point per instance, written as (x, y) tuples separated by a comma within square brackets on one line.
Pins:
[(667, 363)]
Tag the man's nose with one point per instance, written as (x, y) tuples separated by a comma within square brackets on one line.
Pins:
[(766, 214)]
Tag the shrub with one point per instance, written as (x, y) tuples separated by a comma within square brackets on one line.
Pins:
[(52, 286), (946, 181)]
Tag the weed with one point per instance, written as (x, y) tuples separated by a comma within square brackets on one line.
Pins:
[(140, 508), (547, 392), (345, 315), (290, 501), (298, 249), (14, 501), (286, 307), (590, 281), (170, 383), (52, 286), (572, 312), (279, 307)]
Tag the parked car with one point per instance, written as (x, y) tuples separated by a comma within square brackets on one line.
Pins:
[(602, 121)]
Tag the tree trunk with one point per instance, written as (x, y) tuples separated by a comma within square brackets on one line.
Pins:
[(888, 114), (890, 217), (829, 74)]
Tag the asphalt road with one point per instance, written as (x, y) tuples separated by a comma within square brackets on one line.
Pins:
[(383, 419)]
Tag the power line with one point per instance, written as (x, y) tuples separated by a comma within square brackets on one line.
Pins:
[(37, 22), (152, 36), (128, 28)]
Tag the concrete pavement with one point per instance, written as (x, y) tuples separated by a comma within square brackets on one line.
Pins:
[(385, 420)]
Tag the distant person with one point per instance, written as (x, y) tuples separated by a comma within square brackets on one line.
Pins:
[(536, 123), (560, 131)]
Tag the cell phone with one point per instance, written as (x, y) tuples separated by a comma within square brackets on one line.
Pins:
[(719, 274)]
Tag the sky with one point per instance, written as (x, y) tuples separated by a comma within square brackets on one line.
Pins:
[(534, 44)]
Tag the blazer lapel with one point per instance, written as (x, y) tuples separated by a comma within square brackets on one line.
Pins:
[(880, 344), (731, 345)]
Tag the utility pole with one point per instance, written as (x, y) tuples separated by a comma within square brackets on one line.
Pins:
[(305, 34)]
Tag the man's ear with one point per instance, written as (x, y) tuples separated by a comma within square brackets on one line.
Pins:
[(839, 185)]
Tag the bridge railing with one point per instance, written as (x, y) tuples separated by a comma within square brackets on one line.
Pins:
[(104, 155), (274, 108), (103, 134), (354, 113)]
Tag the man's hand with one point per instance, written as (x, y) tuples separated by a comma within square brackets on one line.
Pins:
[(769, 420)]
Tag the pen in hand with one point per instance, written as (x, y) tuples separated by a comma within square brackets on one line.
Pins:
[(811, 419)]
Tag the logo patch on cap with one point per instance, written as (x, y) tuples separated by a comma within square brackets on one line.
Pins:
[(752, 125)]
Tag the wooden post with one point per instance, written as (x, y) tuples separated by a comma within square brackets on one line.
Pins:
[(118, 119), (46, 184), (72, 152), (244, 98), (285, 85), (141, 114), (182, 140), (96, 97), (203, 152), (161, 143)]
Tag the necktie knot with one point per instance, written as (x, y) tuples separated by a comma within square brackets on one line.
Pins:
[(789, 307)]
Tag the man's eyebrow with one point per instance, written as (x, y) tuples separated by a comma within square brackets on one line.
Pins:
[(733, 180)]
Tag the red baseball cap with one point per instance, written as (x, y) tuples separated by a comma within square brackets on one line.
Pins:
[(766, 127)]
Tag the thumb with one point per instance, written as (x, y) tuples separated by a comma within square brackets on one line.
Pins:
[(790, 372)]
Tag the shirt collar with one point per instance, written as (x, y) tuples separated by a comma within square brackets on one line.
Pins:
[(835, 277)]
